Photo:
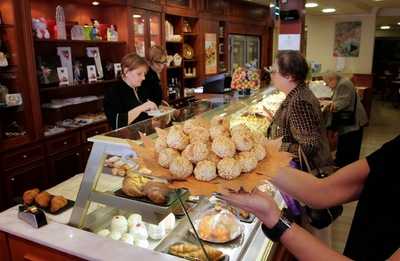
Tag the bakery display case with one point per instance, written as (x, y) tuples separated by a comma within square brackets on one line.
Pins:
[(140, 210)]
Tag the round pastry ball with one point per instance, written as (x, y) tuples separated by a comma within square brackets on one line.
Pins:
[(229, 168), (194, 123), (247, 160), (177, 139), (199, 134), (223, 147), (220, 120), (181, 167), (134, 219), (196, 152), (243, 141), (213, 157), (166, 156), (115, 235), (127, 238), (119, 224), (218, 130), (104, 233), (161, 143), (205, 170), (259, 138), (240, 129), (259, 151)]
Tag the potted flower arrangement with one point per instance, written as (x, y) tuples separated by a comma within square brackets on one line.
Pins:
[(245, 80)]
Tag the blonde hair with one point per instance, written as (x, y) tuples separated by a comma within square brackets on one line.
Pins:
[(132, 61), (329, 75), (157, 54)]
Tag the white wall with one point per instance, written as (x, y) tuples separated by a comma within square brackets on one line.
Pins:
[(320, 42)]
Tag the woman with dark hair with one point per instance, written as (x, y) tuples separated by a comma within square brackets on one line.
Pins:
[(299, 120), (122, 104)]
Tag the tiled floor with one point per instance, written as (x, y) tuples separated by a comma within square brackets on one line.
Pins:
[(384, 125)]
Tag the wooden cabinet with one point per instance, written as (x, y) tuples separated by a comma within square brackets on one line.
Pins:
[(94, 130), (4, 251), (63, 143), (65, 165), (23, 157), (147, 30), (24, 178), (23, 250)]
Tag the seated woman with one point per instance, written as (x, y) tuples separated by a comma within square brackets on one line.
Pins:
[(150, 88), (122, 104)]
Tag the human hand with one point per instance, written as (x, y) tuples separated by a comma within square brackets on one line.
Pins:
[(148, 106), (261, 204), (269, 114)]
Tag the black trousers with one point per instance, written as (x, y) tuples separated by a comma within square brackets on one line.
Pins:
[(348, 147)]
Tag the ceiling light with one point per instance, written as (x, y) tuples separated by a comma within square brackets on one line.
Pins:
[(378, 0), (311, 5), (398, 23), (328, 10), (136, 16), (95, 3), (271, 5), (385, 27)]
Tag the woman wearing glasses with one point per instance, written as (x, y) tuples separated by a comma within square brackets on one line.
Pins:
[(122, 104), (150, 88)]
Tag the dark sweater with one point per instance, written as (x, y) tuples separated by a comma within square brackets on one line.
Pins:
[(151, 88), (119, 99)]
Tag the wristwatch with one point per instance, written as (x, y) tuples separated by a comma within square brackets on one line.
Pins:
[(285, 222)]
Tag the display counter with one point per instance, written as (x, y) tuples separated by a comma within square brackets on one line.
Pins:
[(87, 230)]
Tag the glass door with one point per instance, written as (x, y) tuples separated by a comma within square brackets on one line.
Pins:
[(155, 29), (237, 44), (253, 51), (139, 30)]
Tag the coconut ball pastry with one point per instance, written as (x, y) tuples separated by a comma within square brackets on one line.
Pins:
[(161, 143), (220, 120), (181, 167), (177, 139), (134, 219), (196, 152), (223, 147), (240, 129), (218, 130), (205, 170), (259, 151), (243, 141), (104, 233), (199, 134), (213, 157), (247, 160), (119, 224), (139, 231), (166, 156), (229, 168), (259, 138)]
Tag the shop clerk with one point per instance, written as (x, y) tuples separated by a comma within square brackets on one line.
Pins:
[(122, 104)]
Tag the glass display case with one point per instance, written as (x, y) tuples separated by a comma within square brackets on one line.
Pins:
[(147, 30), (159, 227)]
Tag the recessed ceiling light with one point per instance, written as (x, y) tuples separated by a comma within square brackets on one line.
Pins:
[(385, 27), (328, 10), (398, 23), (136, 16), (311, 5), (95, 3), (378, 0), (271, 5)]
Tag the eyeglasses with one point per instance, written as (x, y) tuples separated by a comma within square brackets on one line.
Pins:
[(161, 62), (272, 69)]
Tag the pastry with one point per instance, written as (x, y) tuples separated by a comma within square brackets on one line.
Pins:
[(220, 120), (166, 156), (199, 134), (161, 143), (57, 203), (221, 226), (247, 160), (194, 252), (213, 157), (134, 219), (119, 224), (133, 184), (205, 170), (139, 231), (29, 196), (177, 139), (43, 199), (157, 192), (104, 233), (156, 232), (195, 152), (259, 138), (181, 167), (110, 161), (142, 243), (259, 151), (193, 123), (240, 128), (218, 130), (223, 147), (229, 168), (243, 141), (115, 235), (127, 238)]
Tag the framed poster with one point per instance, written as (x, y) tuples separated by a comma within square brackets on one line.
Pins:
[(210, 48), (347, 39)]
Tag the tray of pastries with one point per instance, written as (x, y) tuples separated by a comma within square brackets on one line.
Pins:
[(194, 252), (53, 204)]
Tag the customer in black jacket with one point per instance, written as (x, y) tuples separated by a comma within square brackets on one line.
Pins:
[(150, 88), (122, 104)]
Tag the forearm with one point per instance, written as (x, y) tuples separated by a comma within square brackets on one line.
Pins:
[(343, 186), (133, 114), (306, 247)]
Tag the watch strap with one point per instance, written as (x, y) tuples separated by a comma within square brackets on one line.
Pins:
[(277, 231)]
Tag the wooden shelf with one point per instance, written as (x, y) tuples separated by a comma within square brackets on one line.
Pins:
[(189, 34), (68, 87), (190, 60), (78, 41)]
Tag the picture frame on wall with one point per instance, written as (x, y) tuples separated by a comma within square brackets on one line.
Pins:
[(210, 47), (62, 73)]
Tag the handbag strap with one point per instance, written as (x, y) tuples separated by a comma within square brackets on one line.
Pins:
[(303, 158)]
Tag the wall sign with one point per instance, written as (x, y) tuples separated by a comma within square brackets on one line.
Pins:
[(210, 48)]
